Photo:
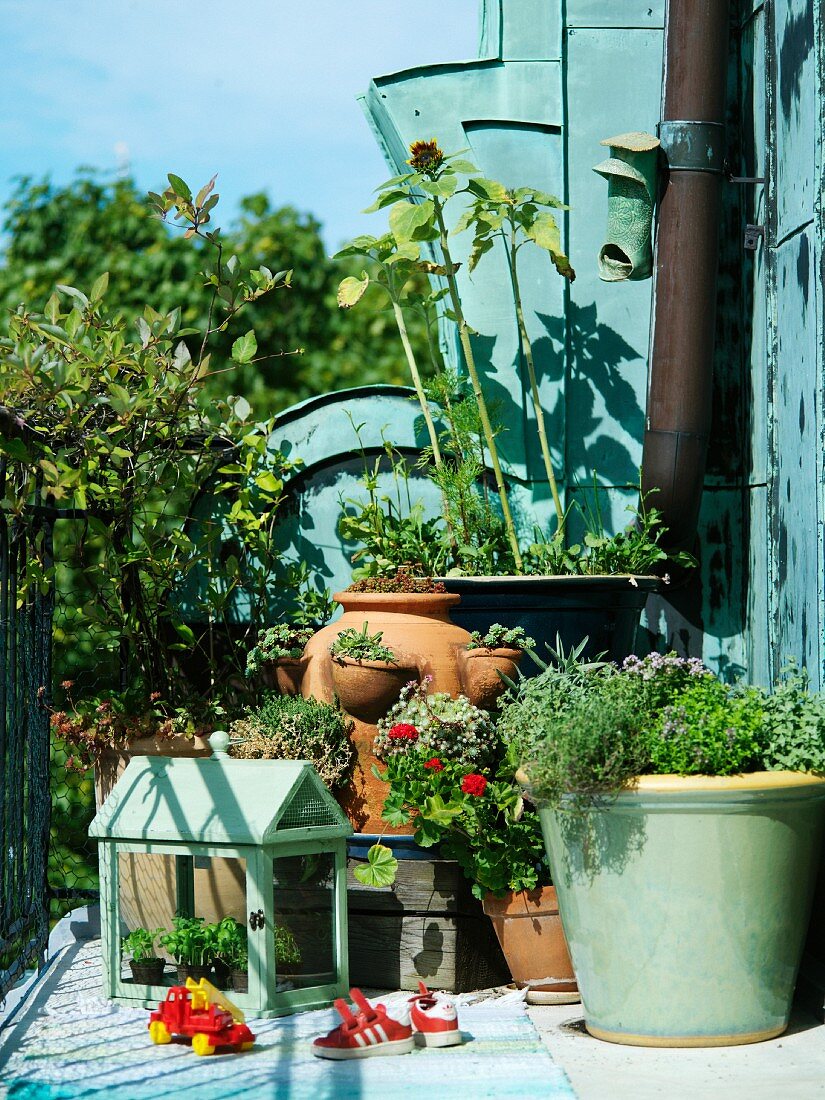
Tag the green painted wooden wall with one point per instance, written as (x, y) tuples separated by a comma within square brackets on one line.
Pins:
[(553, 78)]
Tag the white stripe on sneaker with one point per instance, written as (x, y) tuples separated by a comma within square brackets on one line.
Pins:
[(360, 1040), (370, 1034), (382, 1033)]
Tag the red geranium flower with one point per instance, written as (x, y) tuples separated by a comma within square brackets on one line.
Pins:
[(474, 784), (403, 731), (434, 765)]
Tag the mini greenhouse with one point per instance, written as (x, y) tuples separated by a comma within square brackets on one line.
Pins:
[(263, 845)]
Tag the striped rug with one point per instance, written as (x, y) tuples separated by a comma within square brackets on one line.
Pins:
[(70, 1043)]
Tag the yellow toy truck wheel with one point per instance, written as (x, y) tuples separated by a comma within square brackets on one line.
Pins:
[(159, 1032), (201, 1044)]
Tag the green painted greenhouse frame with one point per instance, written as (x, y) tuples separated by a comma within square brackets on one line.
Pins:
[(224, 808)]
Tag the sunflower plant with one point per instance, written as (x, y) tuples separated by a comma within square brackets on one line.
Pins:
[(417, 202)]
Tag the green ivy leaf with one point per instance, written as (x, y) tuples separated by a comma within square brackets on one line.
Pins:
[(380, 869)]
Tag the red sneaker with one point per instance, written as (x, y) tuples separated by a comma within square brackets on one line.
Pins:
[(434, 1019), (372, 1032)]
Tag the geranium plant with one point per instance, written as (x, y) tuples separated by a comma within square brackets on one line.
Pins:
[(453, 779), (477, 818)]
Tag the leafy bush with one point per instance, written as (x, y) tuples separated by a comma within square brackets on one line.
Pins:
[(288, 727), (113, 720), (708, 729), (590, 730), (437, 725), (794, 724)]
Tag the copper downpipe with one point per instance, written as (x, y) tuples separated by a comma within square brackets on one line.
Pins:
[(678, 419)]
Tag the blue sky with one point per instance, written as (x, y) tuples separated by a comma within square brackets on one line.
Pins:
[(261, 91)]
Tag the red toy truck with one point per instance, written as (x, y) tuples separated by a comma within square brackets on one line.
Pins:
[(200, 1011)]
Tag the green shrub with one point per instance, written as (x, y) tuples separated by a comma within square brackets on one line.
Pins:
[(288, 727), (710, 728), (794, 725)]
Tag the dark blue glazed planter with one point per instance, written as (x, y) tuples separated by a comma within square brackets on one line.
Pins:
[(605, 610)]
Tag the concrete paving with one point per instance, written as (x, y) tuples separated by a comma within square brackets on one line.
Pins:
[(791, 1067)]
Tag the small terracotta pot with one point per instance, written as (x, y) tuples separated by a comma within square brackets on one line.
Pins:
[(285, 674), (367, 689), (148, 971), (479, 672), (529, 930)]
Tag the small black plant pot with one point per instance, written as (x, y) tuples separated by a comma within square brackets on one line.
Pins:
[(239, 981), (148, 971), (223, 974), (194, 972)]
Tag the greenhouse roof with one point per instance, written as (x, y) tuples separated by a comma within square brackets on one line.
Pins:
[(217, 801)]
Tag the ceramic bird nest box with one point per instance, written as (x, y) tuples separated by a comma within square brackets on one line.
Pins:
[(274, 828)]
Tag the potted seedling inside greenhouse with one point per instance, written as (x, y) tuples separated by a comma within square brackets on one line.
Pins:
[(193, 945), (147, 968)]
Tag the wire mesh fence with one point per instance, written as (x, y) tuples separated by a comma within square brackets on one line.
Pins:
[(25, 671)]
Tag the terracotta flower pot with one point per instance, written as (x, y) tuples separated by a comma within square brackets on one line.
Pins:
[(529, 930), (479, 671), (285, 674), (417, 625), (367, 689)]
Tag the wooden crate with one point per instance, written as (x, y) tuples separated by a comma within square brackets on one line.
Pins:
[(426, 927)]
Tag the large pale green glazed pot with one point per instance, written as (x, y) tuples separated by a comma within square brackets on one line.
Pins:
[(685, 903)]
